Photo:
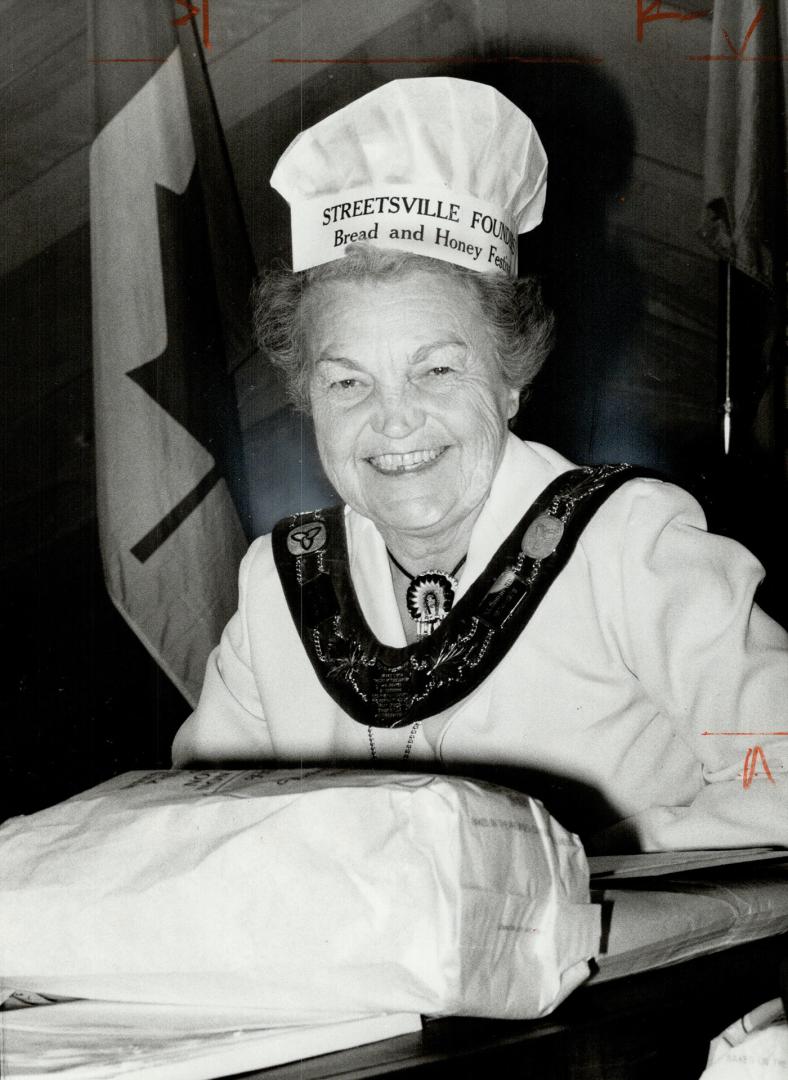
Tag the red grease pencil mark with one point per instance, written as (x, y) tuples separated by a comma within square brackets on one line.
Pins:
[(738, 53), (751, 30), (751, 766), (191, 12), (653, 13), (437, 60), (743, 59), (126, 59), (744, 732)]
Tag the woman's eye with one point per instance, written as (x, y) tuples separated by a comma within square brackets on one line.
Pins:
[(440, 370), (344, 384)]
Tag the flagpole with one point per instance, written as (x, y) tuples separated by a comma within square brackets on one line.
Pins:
[(727, 406)]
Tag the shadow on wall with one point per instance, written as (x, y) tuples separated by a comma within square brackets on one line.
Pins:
[(592, 286), (285, 474)]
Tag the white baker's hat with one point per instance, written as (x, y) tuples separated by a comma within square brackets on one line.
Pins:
[(442, 167)]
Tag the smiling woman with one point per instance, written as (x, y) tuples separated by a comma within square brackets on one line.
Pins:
[(477, 601), (412, 368)]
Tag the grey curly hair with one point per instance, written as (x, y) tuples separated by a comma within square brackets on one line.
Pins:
[(520, 324)]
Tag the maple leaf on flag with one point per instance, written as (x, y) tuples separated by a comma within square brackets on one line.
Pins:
[(189, 378)]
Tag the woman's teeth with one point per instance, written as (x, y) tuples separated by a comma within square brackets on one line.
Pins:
[(396, 463)]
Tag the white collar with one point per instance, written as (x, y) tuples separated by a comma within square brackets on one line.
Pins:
[(525, 470)]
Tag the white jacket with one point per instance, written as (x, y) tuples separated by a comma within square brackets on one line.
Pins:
[(615, 697)]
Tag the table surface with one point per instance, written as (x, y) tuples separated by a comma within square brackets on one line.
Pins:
[(653, 1026)]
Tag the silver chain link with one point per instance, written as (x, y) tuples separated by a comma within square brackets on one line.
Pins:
[(408, 746)]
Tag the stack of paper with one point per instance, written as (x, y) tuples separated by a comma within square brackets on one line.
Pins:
[(314, 895), (94, 1040), (666, 863)]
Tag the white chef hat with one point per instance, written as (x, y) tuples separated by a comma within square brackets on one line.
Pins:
[(442, 167)]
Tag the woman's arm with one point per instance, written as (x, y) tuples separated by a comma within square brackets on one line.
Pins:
[(714, 662), (228, 726)]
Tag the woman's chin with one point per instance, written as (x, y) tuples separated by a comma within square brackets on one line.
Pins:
[(411, 517)]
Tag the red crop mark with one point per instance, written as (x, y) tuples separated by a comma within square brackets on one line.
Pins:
[(744, 733), (751, 766), (437, 60), (191, 12), (126, 59), (737, 53), (652, 12)]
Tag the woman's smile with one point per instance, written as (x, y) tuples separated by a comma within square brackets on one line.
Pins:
[(410, 462)]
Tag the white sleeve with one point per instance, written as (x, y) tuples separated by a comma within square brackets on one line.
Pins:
[(228, 726), (713, 662)]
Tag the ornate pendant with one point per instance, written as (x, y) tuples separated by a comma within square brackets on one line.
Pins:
[(429, 599)]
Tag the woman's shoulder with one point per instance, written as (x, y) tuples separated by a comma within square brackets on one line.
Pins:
[(645, 491), (259, 549), (257, 565), (635, 513)]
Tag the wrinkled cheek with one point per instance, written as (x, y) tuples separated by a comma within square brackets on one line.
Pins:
[(342, 469), (491, 422), (340, 472), (327, 430), (488, 442)]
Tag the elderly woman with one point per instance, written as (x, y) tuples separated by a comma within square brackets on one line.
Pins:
[(479, 601)]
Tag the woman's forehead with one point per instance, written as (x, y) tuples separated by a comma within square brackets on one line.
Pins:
[(414, 307)]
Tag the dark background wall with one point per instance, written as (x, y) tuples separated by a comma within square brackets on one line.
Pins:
[(635, 375)]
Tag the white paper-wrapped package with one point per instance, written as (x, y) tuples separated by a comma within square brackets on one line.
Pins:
[(312, 896)]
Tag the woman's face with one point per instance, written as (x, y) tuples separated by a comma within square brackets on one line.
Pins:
[(410, 409)]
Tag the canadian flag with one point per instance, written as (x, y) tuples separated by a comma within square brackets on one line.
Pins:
[(172, 269)]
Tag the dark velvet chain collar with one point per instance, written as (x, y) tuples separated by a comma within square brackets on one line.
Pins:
[(384, 686)]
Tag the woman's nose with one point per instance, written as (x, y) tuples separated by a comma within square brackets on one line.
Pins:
[(396, 413)]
